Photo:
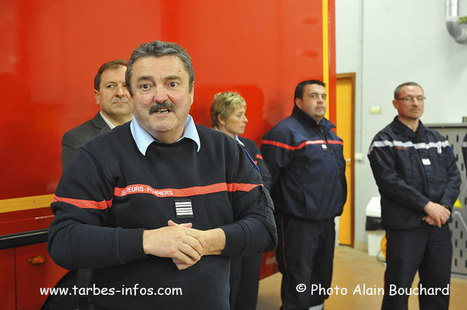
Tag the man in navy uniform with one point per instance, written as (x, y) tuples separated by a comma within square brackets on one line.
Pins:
[(417, 177), (305, 159)]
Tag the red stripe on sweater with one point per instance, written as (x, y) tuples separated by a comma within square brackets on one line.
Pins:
[(183, 192), (86, 204), (166, 192)]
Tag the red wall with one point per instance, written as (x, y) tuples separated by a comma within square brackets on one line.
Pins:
[(52, 49)]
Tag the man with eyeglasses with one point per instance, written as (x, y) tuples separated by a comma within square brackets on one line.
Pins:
[(416, 173), (309, 190)]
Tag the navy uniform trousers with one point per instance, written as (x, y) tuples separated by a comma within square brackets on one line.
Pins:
[(244, 281), (305, 253), (427, 249)]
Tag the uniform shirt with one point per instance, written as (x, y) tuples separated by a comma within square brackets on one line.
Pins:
[(256, 156), (307, 167), (411, 169)]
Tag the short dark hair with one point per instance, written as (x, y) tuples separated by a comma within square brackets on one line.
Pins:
[(159, 49), (398, 89), (300, 87), (114, 64)]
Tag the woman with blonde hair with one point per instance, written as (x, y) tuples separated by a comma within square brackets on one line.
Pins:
[(228, 114)]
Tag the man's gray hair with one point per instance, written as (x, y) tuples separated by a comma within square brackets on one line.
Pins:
[(398, 89), (159, 49)]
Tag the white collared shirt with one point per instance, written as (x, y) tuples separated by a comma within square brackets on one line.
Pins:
[(143, 139), (112, 126)]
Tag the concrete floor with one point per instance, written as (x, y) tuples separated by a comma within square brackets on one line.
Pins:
[(352, 268)]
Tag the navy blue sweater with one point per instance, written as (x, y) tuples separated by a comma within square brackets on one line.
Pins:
[(257, 157), (307, 167), (111, 192)]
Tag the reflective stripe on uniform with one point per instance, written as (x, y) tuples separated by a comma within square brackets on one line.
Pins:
[(400, 144)]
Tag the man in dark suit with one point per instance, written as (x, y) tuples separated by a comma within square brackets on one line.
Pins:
[(114, 103)]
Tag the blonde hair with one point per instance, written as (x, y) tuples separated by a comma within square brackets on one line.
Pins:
[(223, 105)]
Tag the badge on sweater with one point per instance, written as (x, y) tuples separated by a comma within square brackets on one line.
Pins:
[(426, 161), (183, 208), (324, 146)]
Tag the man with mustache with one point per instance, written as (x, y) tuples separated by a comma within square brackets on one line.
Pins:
[(417, 177), (113, 100), (157, 206)]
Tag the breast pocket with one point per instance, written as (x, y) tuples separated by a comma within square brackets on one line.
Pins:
[(310, 161), (436, 171), (407, 164)]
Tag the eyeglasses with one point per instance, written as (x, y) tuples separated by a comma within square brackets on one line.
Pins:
[(316, 96), (411, 99)]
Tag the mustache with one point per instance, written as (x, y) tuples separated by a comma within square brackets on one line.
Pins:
[(161, 105), (121, 100)]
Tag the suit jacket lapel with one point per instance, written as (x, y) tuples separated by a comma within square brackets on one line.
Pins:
[(99, 123)]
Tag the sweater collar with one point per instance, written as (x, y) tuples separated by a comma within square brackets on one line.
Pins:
[(401, 128), (236, 138), (305, 118), (239, 141), (143, 139)]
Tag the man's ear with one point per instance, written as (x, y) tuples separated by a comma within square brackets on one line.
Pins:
[(96, 95), (299, 102), (192, 93)]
